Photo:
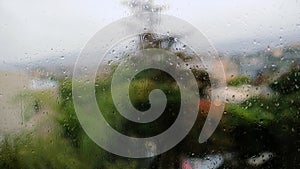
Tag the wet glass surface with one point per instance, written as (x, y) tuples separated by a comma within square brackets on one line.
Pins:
[(257, 45)]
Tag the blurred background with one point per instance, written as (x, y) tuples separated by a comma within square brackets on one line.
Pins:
[(258, 43)]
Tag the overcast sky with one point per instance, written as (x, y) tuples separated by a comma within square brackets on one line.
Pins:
[(39, 29)]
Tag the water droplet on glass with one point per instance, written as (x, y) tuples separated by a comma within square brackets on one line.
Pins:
[(254, 42)]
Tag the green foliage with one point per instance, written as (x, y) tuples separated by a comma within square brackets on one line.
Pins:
[(247, 116), (266, 111), (8, 158), (139, 90), (239, 80), (26, 151), (261, 118), (67, 117), (288, 82), (130, 164), (33, 102), (65, 91)]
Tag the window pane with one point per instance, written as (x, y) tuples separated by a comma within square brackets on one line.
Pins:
[(162, 84)]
